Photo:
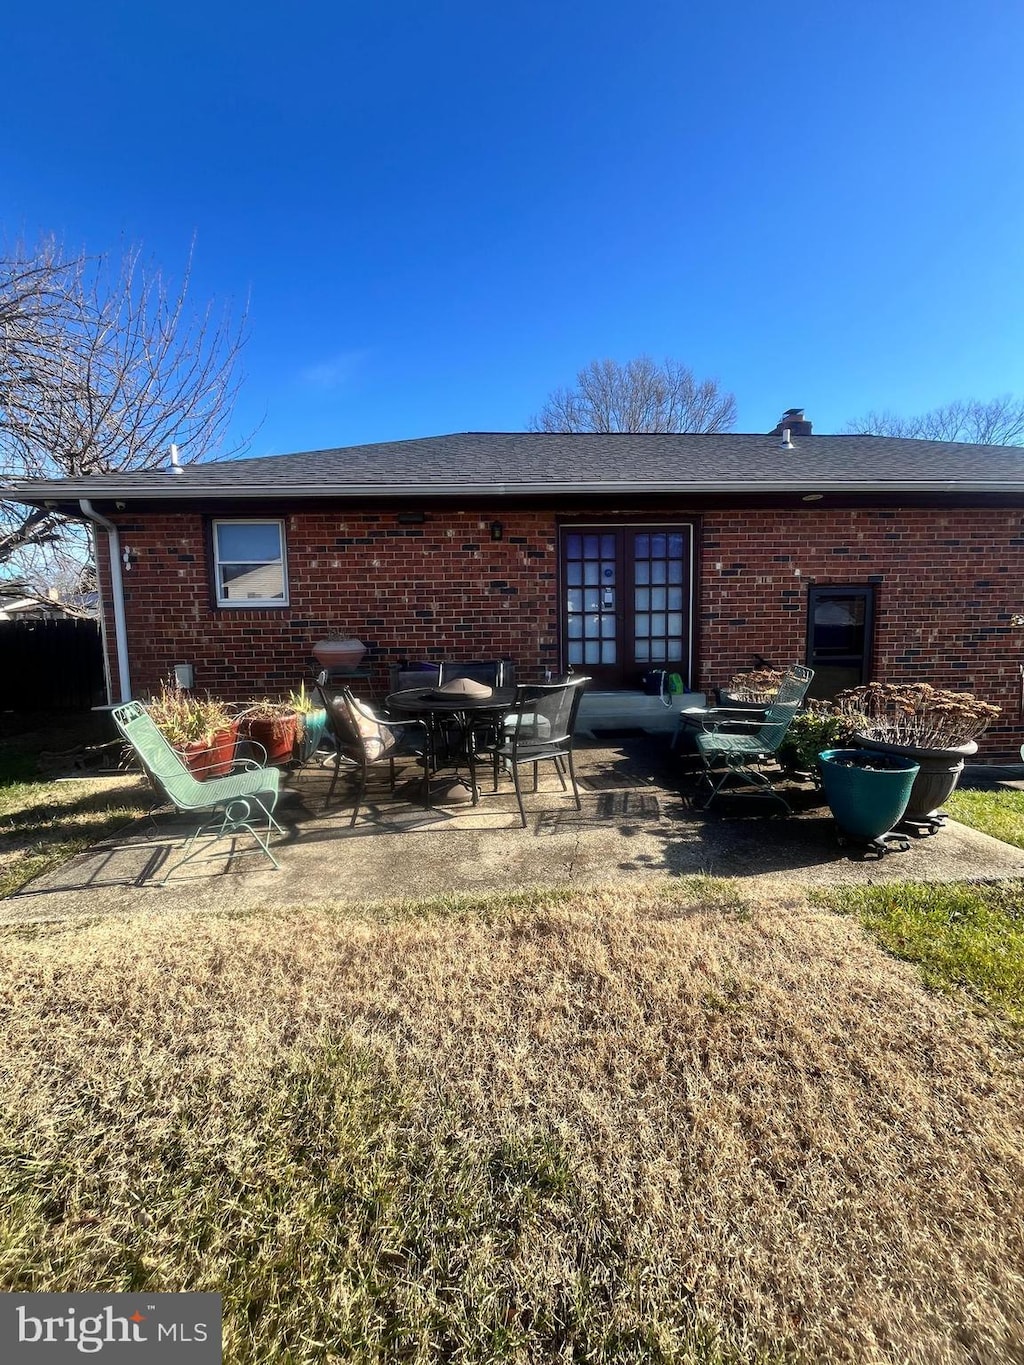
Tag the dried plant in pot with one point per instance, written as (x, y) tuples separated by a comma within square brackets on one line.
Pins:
[(938, 729), (202, 729), (755, 688), (274, 725)]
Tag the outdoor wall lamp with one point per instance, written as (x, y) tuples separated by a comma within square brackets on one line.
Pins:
[(128, 558), (1017, 619), (497, 530)]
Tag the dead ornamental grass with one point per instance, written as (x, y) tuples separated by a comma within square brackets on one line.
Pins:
[(620, 1124)]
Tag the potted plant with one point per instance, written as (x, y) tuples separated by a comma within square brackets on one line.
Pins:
[(819, 726), (339, 649), (202, 729), (273, 725), (312, 721), (758, 687), (867, 794), (936, 729)]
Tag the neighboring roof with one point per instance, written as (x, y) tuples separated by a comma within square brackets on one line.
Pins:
[(517, 463)]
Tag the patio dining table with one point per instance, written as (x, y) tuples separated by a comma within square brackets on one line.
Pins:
[(435, 707)]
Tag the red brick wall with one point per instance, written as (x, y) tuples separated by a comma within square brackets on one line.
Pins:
[(948, 581)]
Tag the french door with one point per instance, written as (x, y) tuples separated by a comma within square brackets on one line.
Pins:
[(627, 601)]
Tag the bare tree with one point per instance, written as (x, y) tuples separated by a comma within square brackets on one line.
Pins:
[(102, 366), (999, 422), (638, 396)]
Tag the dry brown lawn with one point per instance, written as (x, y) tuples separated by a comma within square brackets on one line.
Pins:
[(642, 1124)]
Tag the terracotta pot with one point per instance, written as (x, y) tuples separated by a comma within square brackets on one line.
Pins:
[(214, 759), (339, 653), (277, 736), (940, 771)]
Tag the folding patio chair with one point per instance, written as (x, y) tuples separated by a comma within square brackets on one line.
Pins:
[(235, 803), (729, 757)]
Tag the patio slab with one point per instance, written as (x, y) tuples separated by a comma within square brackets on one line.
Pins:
[(635, 823)]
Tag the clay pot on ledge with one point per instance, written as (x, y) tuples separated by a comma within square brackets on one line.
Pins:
[(339, 653)]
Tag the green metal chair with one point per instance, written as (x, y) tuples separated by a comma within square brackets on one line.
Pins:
[(235, 803), (731, 758)]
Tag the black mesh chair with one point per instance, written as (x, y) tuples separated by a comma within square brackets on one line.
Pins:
[(539, 727), (492, 672), (405, 676), (363, 738)]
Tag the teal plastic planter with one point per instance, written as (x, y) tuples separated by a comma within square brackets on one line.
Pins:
[(868, 792)]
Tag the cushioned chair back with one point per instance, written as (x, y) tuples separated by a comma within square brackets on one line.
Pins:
[(164, 767), (339, 720)]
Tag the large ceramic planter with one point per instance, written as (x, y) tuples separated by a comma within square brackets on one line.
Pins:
[(868, 793), (277, 736), (214, 759), (310, 732), (939, 773), (339, 653)]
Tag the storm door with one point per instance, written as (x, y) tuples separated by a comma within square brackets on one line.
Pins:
[(840, 623), (626, 601)]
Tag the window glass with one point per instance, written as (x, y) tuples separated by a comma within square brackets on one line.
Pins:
[(249, 563)]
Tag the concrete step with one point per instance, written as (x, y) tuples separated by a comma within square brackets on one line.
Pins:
[(629, 710)]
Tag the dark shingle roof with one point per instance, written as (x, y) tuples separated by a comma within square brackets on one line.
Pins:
[(510, 462)]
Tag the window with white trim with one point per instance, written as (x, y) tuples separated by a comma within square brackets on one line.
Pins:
[(249, 564)]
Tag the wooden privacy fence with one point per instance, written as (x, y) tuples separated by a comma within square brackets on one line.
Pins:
[(50, 665)]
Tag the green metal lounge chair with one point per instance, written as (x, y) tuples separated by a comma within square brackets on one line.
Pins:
[(731, 758), (236, 803)]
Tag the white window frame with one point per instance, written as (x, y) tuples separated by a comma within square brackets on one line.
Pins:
[(244, 603)]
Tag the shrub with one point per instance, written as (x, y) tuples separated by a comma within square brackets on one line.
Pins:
[(915, 715), (185, 719)]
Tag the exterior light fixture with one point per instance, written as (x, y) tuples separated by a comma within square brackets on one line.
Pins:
[(497, 530), (1017, 619)]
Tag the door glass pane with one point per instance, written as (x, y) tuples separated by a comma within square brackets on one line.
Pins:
[(658, 570), (642, 547), (657, 547), (643, 651), (658, 596), (643, 599), (575, 599), (574, 573), (642, 571), (675, 599), (591, 599), (592, 652), (575, 653), (608, 547), (591, 546), (591, 572), (608, 652), (593, 627), (575, 627), (608, 627), (573, 547)]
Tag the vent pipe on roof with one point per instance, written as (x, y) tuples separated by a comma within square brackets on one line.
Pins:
[(786, 443), (176, 465)]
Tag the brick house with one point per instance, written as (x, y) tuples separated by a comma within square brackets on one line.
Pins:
[(867, 557)]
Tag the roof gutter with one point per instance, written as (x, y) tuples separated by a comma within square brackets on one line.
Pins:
[(183, 489), (117, 594)]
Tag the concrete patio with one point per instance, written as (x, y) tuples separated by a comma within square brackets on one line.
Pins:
[(635, 823)]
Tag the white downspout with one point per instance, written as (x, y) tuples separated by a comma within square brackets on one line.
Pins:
[(117, 594)]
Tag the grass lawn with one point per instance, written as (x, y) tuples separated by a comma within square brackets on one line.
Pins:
[(48, 812), (999, 813), (651, 1124)]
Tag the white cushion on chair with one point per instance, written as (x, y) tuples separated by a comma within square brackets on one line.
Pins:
[(377, 739)]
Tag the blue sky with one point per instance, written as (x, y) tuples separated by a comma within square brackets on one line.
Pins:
[(440, 211)]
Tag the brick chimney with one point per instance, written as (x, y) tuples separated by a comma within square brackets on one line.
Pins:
[(793, 421)]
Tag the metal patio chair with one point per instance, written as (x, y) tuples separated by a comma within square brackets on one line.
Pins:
[(538, 728), (235, 804), (363, 737), (731, 757)]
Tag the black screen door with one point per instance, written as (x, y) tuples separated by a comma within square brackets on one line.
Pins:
[(840, 627)]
